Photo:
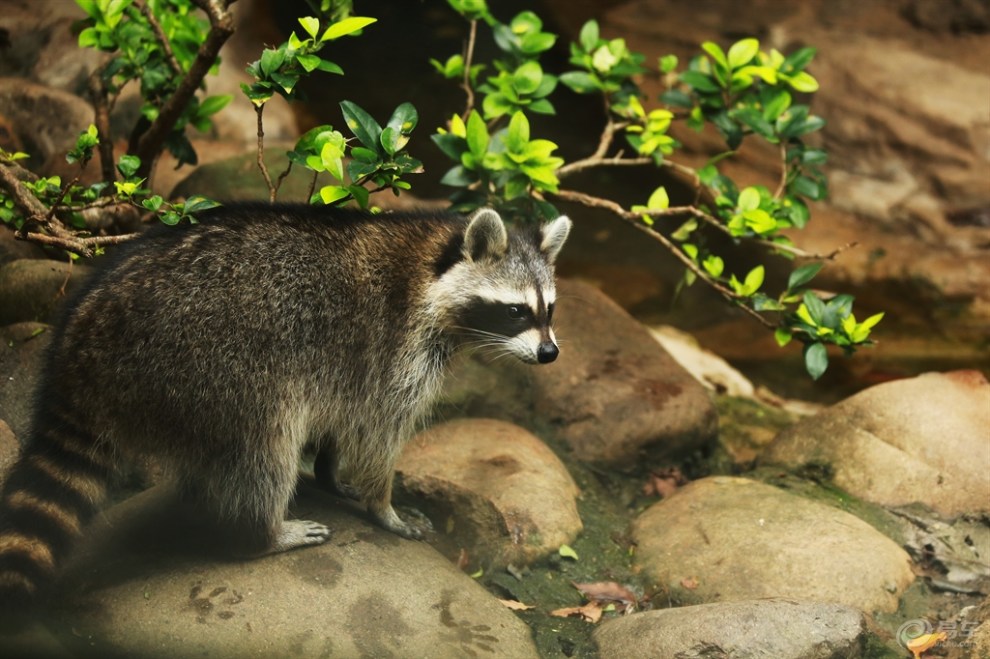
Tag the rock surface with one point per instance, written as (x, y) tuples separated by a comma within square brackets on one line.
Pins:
[(725, 539), (144, 585), (21, 352), (30, 289), (922, 439), (753, 629), (512, 499), (43, 121), (613, 395)]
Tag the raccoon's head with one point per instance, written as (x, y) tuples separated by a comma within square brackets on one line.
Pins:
[(500, 295)]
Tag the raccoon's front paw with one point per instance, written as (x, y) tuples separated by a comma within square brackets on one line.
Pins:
[(300, 533), (415, 527)]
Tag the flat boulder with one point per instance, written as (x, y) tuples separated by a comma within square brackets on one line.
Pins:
[(918, 440), (146, 584), (771, 628), (727, 539), (510, 499)]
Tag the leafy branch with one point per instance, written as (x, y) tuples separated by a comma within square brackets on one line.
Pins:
[(743, 92), (163, 46)]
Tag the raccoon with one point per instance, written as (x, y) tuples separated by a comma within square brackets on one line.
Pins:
[(226, 347)]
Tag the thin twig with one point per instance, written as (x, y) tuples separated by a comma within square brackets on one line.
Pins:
[(634, 219), (312, 185), (163, 41), (101, 119), (272, 190), (468, 57), (281, 177), (782, 186)]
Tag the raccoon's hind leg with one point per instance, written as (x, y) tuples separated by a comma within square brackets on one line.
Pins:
[(326, 469), (250, 499)]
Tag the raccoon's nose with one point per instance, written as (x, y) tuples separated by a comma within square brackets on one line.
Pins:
[(547, 352)]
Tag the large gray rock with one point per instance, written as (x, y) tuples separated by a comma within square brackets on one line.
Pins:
[(924, 439), (512, 500), (753, 629), (146, 585), (44, 121), (614, 395), (726, 539)]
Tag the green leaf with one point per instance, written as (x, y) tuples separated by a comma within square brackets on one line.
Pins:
[(364, 127), (310, 24), (713, 265), (329, 67), (749, 199), (527, 77), (213, 104), (659, 200), (871, 322), (754, 279), (815, 359), (128, 165), (760, 221), (517, 135), (742, 52), (347, 26), (404, 118), (566, 551), (716, 53), (198, 204), (589, 36), (271, 60), (803, 82), (153, 203), (309, 62), (700, 81), (783, 336), (477, 135), (581, 82), (815, 307), (803, 275), (667, 63), (332, 193)]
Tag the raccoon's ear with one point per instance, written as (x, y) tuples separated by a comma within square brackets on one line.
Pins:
[(554, 234), (485, 237)]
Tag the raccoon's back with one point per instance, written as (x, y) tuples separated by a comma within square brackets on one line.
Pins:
[(217, 316)]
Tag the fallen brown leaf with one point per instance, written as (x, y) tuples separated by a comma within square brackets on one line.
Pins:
[(609, 592), (590, 612), (664, 482), (689, 582), (516, 606)]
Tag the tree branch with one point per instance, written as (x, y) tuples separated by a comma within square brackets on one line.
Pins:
[(259, 110), (634, 219), (468, 57), (101, 119), (81, 246), (160, 37), (150, 142)]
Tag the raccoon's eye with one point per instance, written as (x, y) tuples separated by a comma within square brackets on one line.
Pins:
[(515, 312)]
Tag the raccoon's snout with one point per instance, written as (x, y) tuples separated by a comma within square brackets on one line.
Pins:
[(547, 352)]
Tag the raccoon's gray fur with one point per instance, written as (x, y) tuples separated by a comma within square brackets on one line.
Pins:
[(226, 347)]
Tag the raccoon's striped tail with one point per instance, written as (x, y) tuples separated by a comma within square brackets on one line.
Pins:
[(51, 492)]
